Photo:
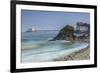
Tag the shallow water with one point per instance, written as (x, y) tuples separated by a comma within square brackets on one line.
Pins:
[(47, 51), (37, 48)]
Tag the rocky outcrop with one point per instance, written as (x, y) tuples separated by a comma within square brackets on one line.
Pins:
[(66, 33)]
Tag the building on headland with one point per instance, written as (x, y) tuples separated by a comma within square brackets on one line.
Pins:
[(82, 29)]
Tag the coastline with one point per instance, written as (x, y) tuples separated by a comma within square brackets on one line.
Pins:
[(83, 54)]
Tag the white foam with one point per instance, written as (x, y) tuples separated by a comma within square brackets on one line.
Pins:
[(52, 53)]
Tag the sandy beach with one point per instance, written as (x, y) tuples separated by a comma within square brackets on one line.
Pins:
[(83, 54)]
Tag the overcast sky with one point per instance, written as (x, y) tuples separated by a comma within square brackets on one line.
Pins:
[(50, 20)]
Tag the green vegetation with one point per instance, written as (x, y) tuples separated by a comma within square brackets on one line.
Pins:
[(65, 33)]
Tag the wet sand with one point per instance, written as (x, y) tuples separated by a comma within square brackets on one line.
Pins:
[(83, 54)]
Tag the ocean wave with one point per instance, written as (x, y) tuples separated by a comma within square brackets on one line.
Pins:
[(47, 53)]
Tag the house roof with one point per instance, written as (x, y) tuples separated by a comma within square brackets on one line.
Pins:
[(83, 24)]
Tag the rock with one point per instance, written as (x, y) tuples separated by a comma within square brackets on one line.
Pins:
[(66, 33)]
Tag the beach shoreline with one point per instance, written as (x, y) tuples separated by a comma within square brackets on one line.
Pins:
[(83, 54)]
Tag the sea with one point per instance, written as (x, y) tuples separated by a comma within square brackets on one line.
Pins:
[(37, 47)]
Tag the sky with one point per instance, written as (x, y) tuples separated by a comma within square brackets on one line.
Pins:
[(51, 20)]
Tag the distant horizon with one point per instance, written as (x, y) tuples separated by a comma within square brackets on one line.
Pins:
[(51, 20)]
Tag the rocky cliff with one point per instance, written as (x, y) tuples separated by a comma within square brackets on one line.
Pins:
[(66, 33)]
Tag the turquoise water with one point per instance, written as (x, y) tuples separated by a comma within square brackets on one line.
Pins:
[(37, 48)]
